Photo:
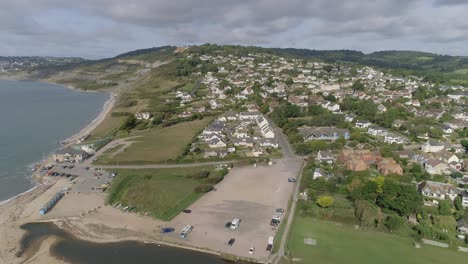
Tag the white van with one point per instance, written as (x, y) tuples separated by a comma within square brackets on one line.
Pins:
[(186, 231), (235, 223)]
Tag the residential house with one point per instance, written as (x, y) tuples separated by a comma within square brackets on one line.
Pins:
[(230, 116), (219, 153), (349, 118), (462, 226), (245, 142), (391, 138), (447, 129), (434, 166), (268, 142), (432, 146), (70, 155), (446, 156), (248, 116), (438, 190), (319, 173), (363, 124), (377, 131), (323, 133), (464, 196), (325, 156), (217, 143), (143, 115)]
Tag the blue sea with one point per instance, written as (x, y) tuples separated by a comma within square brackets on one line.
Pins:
[(34, 118)]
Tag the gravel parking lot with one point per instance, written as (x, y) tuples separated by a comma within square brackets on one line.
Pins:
[(249, 193)]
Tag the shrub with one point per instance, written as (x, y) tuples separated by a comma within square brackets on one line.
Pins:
[(215, 179), (204, 188), (325, 201), (201, 175)]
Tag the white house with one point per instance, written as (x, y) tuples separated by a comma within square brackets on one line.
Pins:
[(377, 131), (143, 115), (464, 195), (325, 156), (363, 124), (438, 190), (432, 146)]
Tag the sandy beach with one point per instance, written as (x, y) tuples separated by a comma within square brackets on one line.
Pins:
[(106, 109)]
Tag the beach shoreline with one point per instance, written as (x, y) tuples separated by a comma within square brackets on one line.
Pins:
[(86, 130)]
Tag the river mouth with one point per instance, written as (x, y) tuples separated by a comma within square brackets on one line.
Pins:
[(73, 250)]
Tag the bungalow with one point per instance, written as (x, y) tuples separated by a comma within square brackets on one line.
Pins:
[(363, 124), (438, 190), (70, 155), (325, 156), (323, 133)]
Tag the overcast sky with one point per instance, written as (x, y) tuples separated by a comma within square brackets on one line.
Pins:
[(104, 28)]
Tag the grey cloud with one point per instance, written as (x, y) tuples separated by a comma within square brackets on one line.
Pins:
[(131, 24)]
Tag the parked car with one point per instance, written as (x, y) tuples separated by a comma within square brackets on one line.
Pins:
[(279, 210), (187, 211), (228, 224), (291, 179), (231, 241)]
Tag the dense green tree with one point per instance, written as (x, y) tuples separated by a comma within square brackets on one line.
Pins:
[(394, 222), (402, 198)]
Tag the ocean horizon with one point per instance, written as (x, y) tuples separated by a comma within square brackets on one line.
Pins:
[(34, 118)]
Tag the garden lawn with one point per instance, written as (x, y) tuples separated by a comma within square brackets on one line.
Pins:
[(163, 192), (337, 244), (158, 145)]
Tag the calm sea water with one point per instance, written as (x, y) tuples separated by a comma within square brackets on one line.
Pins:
[(34, 117), (76, 251)]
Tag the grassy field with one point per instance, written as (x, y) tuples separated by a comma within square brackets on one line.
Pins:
[(158, 145), (162, 192), (343, 244)]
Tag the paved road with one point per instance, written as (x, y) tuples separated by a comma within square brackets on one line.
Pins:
[(162, 166)]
